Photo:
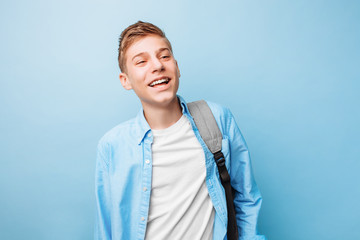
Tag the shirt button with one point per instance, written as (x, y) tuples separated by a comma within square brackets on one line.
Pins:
[(142, 218), (147, 161), (144, 189), (149, 134)]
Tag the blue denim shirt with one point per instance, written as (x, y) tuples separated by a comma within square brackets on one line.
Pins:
[(124, 172)]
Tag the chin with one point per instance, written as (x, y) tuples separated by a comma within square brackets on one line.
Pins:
[(165, 99)]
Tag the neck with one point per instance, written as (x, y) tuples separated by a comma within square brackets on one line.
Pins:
[(160, 117)]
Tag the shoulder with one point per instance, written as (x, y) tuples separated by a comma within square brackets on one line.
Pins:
[(218, 109), (222, 115), (120, 133), (227, 123)]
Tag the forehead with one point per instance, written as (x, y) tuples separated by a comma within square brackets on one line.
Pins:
[(147, 44)]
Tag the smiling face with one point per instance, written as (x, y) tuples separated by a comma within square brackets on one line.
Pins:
[(151, 71)]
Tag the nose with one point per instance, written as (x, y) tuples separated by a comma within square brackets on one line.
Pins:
[(157, 65)]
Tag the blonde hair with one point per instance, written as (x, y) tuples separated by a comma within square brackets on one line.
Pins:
[(134, 32)]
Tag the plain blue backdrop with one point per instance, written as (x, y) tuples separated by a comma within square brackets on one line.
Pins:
[(288, 70)]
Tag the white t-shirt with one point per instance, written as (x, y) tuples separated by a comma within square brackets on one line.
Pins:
[(180, 205)]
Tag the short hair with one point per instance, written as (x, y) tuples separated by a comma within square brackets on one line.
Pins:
[(132, 33)]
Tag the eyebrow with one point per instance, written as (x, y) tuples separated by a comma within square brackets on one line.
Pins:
[(163, 49), (139, 54), (157, 52)]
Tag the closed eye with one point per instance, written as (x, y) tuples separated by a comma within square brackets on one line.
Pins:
[(140, 62)]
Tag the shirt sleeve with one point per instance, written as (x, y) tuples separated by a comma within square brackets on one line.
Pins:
[(102, 193), (247, 197)]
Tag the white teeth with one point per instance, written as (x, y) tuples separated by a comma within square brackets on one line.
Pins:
[(158, 82)]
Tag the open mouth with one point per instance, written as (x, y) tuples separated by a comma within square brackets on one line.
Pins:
[(159, 82)]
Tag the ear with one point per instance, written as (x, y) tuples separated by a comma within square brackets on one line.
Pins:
[(125, 82)]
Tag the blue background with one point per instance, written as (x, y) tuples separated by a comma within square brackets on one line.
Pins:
[(288, 70)]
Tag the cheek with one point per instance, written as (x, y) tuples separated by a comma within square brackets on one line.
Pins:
[(137, 74)]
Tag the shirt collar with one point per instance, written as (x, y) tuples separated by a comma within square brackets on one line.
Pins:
[(144, 127)]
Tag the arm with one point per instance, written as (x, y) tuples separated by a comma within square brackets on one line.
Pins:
[(247, 197), (102, 192)]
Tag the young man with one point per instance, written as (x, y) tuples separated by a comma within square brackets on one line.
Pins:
[(155, 177)]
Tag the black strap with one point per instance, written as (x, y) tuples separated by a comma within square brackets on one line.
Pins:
[(232, 230), (211, 134)]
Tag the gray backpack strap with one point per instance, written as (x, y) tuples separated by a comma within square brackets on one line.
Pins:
[(210, 133), (206, 123)]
